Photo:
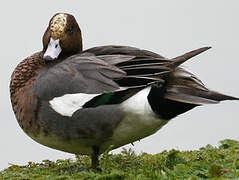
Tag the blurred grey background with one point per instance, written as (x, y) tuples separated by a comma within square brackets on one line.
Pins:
[(170, 28)]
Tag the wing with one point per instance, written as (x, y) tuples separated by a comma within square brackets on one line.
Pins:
[(78, 74), (123, 50), (146, 67), (97, 71), (142, 67), (119, 69)]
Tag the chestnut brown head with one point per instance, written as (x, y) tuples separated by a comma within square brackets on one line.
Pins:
[(62, 37)]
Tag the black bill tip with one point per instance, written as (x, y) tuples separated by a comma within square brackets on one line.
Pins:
[(48, 58)]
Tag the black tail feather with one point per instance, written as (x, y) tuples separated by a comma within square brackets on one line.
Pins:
[(220, 97)]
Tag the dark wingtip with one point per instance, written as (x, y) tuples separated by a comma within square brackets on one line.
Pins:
[(181, 59)]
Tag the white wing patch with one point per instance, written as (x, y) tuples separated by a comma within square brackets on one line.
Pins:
[(66, 105)]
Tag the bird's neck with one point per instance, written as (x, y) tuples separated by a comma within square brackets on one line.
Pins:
[(25, 70)]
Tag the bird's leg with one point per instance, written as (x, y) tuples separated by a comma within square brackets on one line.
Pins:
[(94, 157)]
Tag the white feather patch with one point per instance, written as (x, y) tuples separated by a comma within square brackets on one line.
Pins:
[(66, 105), (139, 103), (139, 121)]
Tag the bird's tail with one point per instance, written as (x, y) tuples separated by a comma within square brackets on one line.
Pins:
[(183, 86)]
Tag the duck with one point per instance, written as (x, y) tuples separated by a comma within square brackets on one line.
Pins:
[(85, 101)]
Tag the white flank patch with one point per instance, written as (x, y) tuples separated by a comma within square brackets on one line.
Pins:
[(66, 105), (139, 103), (139, 121)]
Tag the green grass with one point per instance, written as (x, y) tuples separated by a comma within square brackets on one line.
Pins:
[(207, 162)]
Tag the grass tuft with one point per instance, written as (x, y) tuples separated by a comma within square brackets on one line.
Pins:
[(208, 162)]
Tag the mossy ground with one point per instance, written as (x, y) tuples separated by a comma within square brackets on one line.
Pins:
[(208, 162)]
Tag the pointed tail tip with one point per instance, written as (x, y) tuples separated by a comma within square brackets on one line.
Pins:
[(233, 98), (223, 97), (203, 49), (195, 52), (181, 59), (207, 47)]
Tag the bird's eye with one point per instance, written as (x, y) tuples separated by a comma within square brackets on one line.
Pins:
[(70, 30)]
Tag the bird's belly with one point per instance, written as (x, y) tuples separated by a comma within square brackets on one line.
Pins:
[(136, 121), (132, 128), (75, 146)]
